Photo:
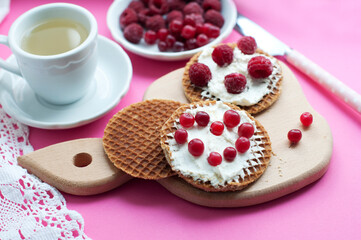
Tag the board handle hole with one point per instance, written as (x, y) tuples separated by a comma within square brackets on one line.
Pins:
[(82, 159)]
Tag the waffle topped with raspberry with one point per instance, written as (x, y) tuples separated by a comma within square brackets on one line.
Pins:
[(237, 73), (215, 146)]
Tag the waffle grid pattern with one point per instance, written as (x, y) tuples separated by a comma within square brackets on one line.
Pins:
[(252, 173), (131, 139)]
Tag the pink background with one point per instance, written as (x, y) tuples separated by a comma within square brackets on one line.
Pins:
[(326, 31)]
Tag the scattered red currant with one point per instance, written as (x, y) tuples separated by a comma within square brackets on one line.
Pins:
[(294, 135), (214, 159), (229, 154), (246, 130), (196, 147), (186, 120), (306, 119), (162, 34), (217, 128), (231, 118), (242, 144), (188, 32), (181, 136), (202, 118)]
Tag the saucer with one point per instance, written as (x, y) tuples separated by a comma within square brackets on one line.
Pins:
[(112, 80), (229, 11)]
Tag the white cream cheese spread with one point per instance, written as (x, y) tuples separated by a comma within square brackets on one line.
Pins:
[(255, 89), (198, 167)]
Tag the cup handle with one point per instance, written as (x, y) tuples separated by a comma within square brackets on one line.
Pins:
[(5, 65)]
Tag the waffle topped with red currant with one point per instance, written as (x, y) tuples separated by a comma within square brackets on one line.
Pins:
[(237, 73), (215, 146)]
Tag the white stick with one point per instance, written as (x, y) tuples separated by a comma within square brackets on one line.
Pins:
[(345, 93)]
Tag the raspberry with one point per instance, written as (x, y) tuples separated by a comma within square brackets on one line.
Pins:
[(242, 144), (260, 67), (155, 23), (306, 119), (235, 83), (222, 55), (199, 74), (231, 118), (202, 40), (202, 118), (150, 37), (196, 147), (127, 17), (181, 136), (143, 15), (136, 6), (186, 120), (217, 128), (133, 33), (188, 31), (176, 4), (214, 159), (294, 135), (247, 45), (158, 6), (212, 4), (193, 19), (174, 15), (211, 31), (229, 154), (214, 17), (192, 7), (246, 130)]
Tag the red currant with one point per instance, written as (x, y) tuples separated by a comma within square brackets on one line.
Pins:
[(175, 26), (181, 136), (202, 39), (217, 128), (242, 144), (214, 159), (188, 32), (170, 40), (162, 34), (231, 118), (196, 147), (178, 46), (162, 46), (202, 118), (186, 120), (211, 31), (246, 130), (294, 135), (229, 153), (191, 43), (306, 119), (150, 37)]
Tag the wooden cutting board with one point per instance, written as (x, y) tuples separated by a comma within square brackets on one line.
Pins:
[(81, 167), (291, 166)]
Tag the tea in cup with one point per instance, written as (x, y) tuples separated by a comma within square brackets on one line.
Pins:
[(55, 47)]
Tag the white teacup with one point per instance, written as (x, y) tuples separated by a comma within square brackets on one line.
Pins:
[(60, 78)]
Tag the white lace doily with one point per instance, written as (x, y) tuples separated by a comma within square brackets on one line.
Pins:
[(29, 208)]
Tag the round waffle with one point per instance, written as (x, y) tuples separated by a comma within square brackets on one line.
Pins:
[(131, 139), (256, 165), (193, 93)]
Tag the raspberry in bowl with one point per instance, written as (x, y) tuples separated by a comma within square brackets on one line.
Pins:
[(193, 32)]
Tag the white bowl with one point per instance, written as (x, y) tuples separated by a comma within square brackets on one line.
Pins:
[(229, 13)]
